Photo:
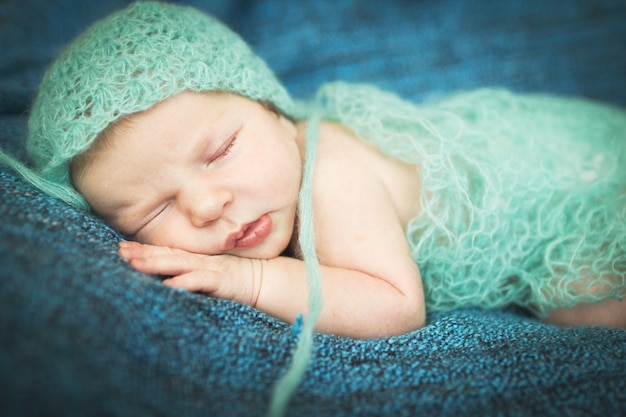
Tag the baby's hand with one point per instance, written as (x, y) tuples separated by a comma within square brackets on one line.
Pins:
[(223, 276)]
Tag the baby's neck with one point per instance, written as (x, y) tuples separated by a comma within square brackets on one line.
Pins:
[(293, 248)]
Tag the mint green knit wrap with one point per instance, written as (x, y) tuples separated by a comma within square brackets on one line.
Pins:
[(523, 196), (125, 64)]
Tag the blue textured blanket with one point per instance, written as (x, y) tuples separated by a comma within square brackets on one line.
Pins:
[(81, 334)]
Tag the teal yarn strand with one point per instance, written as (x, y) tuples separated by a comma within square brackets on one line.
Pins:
[(54, 189), (287, 384)]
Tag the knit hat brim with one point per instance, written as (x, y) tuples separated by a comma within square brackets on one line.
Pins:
[(128, 62)]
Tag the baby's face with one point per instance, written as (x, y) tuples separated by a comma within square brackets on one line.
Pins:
[(207, 173)]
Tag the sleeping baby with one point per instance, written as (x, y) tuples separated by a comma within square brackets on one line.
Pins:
[(163, 122)]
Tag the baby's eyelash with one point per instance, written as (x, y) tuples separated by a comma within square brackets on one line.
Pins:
[(228, 148), (155, 216), (225, 149)]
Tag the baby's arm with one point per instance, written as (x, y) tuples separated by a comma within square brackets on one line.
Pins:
[(355, 303)]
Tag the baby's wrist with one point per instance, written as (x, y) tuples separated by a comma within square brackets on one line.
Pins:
[(257, 280)]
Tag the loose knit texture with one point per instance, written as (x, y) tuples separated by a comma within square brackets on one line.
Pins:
[(524, 196)]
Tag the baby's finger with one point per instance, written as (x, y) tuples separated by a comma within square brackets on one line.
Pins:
[(169, 264), (197, 281), (130, 250)]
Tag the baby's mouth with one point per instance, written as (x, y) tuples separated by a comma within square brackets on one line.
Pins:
[(251, 234)]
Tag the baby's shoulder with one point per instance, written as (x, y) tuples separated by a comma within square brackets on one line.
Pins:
[(342, 160), (348, 167), (338, 144)]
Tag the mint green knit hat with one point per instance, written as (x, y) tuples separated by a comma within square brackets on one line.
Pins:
[(126, 63)]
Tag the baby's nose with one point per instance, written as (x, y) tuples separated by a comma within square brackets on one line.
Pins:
[(207, 207)]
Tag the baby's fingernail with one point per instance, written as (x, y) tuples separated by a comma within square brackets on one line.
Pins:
[(123, 244), (124, 252)]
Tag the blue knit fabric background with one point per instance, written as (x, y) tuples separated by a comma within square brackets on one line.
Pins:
[(81, 334)]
